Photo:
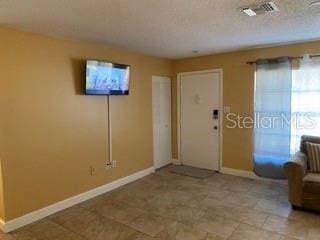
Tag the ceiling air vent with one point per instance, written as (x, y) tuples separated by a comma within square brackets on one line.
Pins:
[(269, 7), (259, 9)]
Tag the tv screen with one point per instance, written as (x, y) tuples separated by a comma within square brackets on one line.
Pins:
[(104, 78)]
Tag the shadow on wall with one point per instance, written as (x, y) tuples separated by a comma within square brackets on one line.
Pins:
[(78, 74)]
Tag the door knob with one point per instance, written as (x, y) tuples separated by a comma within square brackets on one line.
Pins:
[(215, 127)]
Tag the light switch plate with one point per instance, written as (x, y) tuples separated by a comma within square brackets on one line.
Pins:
[(226, 109)]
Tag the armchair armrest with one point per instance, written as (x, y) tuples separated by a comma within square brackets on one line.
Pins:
[(295, 170)]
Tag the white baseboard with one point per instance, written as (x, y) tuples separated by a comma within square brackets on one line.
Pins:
[(44, 212), (248, 174), (175, 161)]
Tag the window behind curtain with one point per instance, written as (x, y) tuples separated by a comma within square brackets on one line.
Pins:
[(290, 94), (272, 105), (305, 102)]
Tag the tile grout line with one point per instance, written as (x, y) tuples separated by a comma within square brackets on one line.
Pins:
[(267, 218), (234, 230), (67, 229), (107, 218)]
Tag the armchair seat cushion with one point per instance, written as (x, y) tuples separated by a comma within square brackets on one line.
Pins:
[(303, 180), (311, 183)]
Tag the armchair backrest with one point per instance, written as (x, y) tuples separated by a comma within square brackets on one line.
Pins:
[(306, 138)]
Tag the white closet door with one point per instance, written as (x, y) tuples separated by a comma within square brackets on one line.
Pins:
[(161, 104)]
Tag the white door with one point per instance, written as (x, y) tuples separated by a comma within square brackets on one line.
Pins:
[(161, 104), (200, 115)]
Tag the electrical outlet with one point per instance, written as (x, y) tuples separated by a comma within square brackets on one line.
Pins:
[(92, 170), (108, 165), (114, 163)]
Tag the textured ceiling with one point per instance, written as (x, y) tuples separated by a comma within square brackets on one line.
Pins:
[(165, 28)]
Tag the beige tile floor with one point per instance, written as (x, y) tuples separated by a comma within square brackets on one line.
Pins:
[(174, 207)]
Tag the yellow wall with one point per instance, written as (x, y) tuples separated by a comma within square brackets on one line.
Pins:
[(1, 176), (238, 81), (1, 194), (50, 133)]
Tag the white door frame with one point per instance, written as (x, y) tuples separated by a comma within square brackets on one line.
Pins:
[(220, 71)]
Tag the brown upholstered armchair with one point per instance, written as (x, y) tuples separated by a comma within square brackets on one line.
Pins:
[(304, 187)]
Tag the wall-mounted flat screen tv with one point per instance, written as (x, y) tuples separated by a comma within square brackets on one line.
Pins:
[(104, 78)]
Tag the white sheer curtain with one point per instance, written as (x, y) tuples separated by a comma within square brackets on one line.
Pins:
[(305, 102), (272, 109)]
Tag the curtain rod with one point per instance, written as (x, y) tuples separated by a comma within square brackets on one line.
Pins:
[(311, 56)]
